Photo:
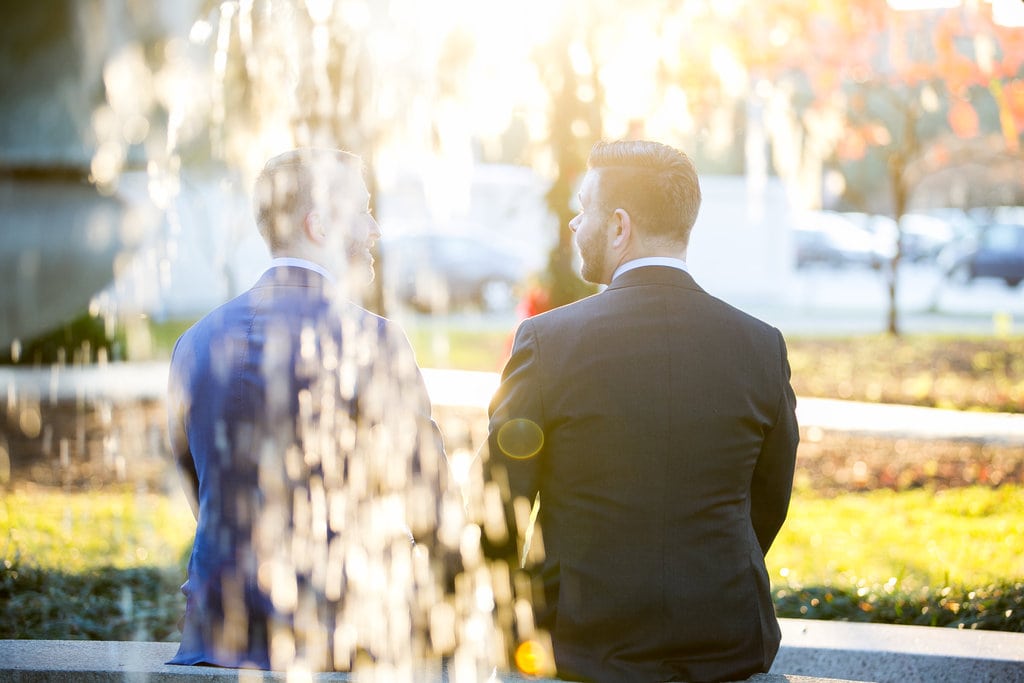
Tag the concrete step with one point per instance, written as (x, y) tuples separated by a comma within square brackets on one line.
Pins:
[(812, 652), (890, 653), (81, 661)]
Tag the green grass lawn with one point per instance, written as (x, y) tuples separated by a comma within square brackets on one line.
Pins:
[(463, 349), (437, 343), (107, 565), (92, 565), (966, 536), (79, 531)]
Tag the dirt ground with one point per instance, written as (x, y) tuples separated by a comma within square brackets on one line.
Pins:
[(85, 447)]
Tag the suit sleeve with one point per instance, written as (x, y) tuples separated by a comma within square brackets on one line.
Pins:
[(514, 451), (429, 460), (411, 379), (772, 483), (177, 411)]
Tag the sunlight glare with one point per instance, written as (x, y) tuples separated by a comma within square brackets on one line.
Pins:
[(1008, 12), (320, 10), (910, 5), (627, 75), (501, 75), (728, 8), (730, 70)]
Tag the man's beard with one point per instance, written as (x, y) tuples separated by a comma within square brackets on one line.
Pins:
[(360, 266), (592, 254)]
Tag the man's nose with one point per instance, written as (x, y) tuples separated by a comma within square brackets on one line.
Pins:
[(572, 223), (374, 228)]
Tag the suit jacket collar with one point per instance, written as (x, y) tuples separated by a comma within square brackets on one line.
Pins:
[(655, 275), (293, 276)]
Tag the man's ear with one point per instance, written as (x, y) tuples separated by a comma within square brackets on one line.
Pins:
[(622, 226), (314, 227)]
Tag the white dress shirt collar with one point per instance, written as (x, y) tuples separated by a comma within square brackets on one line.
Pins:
[(291, 261), (650, 261)]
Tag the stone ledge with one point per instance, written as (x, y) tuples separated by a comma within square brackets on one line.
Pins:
[(812, 652), (87, 661), (889, 653)]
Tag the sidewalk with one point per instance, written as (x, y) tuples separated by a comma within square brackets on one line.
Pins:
[(463, 388)]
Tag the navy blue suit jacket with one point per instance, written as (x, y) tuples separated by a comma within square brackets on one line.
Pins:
[(658, 425), (276, 400)]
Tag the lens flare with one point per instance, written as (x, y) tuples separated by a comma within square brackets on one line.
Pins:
[(520, 438)]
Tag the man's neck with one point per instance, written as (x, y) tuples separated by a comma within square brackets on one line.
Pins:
[(668, 261), (297, 262)]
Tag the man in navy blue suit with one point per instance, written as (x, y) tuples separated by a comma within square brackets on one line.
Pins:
[(657, 425), (301, 426)]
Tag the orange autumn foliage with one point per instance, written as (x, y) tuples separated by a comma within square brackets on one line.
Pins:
[(963, 119), (1015, 100)]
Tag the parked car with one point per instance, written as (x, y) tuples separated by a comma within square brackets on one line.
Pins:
[(996, 250), (832, 239), (434, 272), (924, 236)]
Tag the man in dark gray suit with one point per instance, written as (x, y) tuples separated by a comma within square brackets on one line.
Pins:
[(657, 424), (301, 426)]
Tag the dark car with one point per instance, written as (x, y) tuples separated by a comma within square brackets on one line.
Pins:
[(995, 250), (923, 236), (832, 239), (436, 272)]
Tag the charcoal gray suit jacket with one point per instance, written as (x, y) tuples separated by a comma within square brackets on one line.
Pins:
[(658, 425)]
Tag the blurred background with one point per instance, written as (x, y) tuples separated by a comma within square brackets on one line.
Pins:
[(863, 187), (860, 160)]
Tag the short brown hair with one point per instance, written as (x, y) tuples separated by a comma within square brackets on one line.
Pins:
[(284, 192), (656, 184)]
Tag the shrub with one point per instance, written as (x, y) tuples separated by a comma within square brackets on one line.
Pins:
[(143, 603), (79, 340), (997, 607)]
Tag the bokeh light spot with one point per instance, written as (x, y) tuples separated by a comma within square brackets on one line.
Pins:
[(520, 438), (30, 421), (532, 659)]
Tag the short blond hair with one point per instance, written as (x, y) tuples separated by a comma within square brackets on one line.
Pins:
[(283, 194), (656, 184)]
